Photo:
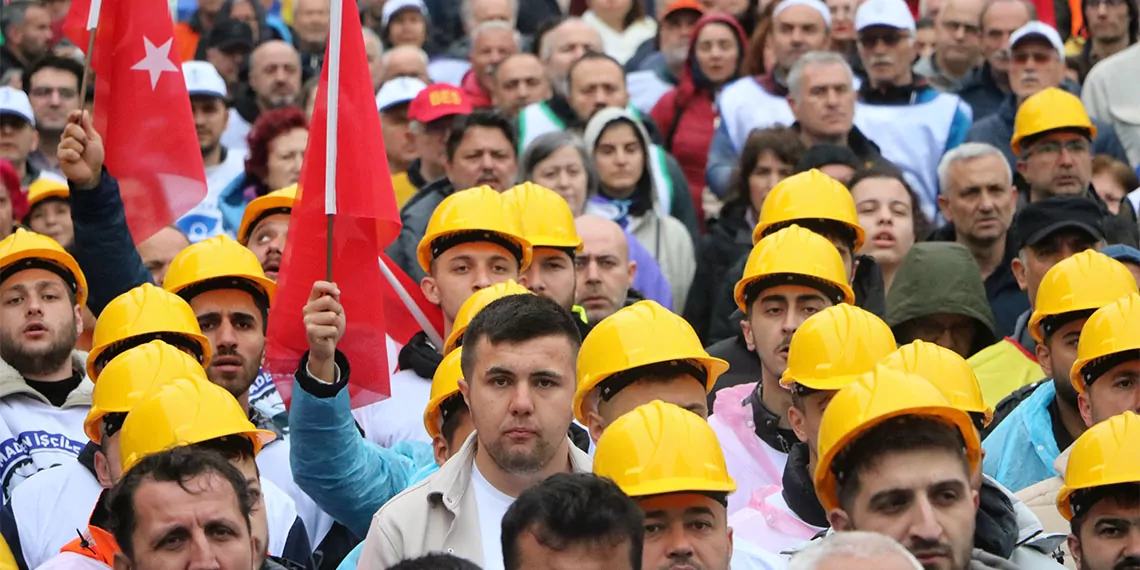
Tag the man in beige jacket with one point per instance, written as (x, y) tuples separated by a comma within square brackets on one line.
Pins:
[(1106, 376), (519, 378)]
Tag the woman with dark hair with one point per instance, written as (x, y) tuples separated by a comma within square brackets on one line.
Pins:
[(769, 156), (687, 114), (890, 214), (623, 25), (276, 149)]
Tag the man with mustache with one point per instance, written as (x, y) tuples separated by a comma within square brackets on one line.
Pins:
[(1101, 496), (1037, 63), (985, 87), (43, 386), (895, 103), (274, 81), (642, 353), (790, 275), (518, 382), (750, 103), (895, 457), (978, 200), (669, 461), (480, 152), (208, 95), (1016, 455), (1105, 377)]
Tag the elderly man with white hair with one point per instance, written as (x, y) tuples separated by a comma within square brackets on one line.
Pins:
[(854, 551), (492, 42)]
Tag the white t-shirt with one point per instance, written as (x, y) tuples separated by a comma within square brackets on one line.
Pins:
[(492, 504)]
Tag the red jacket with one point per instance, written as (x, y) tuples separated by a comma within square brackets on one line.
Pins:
[(687, 115)]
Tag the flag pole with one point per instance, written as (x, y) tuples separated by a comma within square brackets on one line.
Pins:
[(92, 23), (336, 17)]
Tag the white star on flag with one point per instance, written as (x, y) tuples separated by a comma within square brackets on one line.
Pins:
[(157, 60)]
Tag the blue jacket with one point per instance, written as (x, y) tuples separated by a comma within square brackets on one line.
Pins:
[(103, 245), (1021, 451), (997, 130), (981, 91), (722, 161), (347, 476)]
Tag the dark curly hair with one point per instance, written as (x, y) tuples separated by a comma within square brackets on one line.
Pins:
[(780, 141), (268, 126)]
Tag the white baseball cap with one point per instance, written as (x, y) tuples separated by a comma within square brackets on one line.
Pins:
[(889, 13), (397, 91), (1040, 30), (203, 79), (15, 102), (393, 6)]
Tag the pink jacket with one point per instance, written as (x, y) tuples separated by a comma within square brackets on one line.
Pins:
[(768, 524), (751, 462)]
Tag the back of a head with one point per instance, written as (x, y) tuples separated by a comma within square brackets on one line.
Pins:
[(570, 510), (517, 319), (436, 561), (854, 550)]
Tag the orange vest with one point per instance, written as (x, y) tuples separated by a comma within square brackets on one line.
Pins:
[(94, 543)]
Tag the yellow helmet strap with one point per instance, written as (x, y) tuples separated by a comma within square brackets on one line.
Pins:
[(671, 369), (37, 263), (446, 242)]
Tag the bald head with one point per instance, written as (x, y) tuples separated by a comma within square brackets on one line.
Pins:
[(275, 74), (374, 50), (564, 45), (160, 249), (520, 81), (406, 61), (604, 270)]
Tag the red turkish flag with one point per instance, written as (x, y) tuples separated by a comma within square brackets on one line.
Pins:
[(142, 110), (366, 221)]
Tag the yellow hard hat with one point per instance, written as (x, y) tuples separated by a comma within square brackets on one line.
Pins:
[(796, 256), (810, 195), (836, 345), (130, 374), (660, 448), (148, 311), (184, 411), (46, 187), (263, 206), (1104, 455), (1111, 330), (875, 397), (477, 302), (1048, 110), (220, 260), (28, 250), (1086, 281), (638, 335), (483, 215), (547, 220), (946, 370), (444, 385)]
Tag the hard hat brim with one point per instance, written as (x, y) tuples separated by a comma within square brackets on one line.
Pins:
[(258, 207)]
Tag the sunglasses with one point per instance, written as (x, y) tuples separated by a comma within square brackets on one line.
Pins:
[(1036, 57), (891, 39)]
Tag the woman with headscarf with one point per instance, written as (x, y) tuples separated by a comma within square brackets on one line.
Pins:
[(687, 115), (638, 190)]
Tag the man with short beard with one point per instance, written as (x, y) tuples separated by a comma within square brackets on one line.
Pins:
[(274, 82), (1068, 295), (208, 94), (44, 390), (518, 381)]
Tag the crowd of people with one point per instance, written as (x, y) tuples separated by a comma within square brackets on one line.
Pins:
[(725, 285)]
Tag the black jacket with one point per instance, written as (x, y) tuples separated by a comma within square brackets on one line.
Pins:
[(415, 216), (743, 364), (729, 238), (981, 91)]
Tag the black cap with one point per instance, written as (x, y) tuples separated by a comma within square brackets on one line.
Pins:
[(1043, 218), (825, 154), (230, 36)]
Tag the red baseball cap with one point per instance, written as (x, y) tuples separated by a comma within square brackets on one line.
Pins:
[(678, 5), (437, 101)]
